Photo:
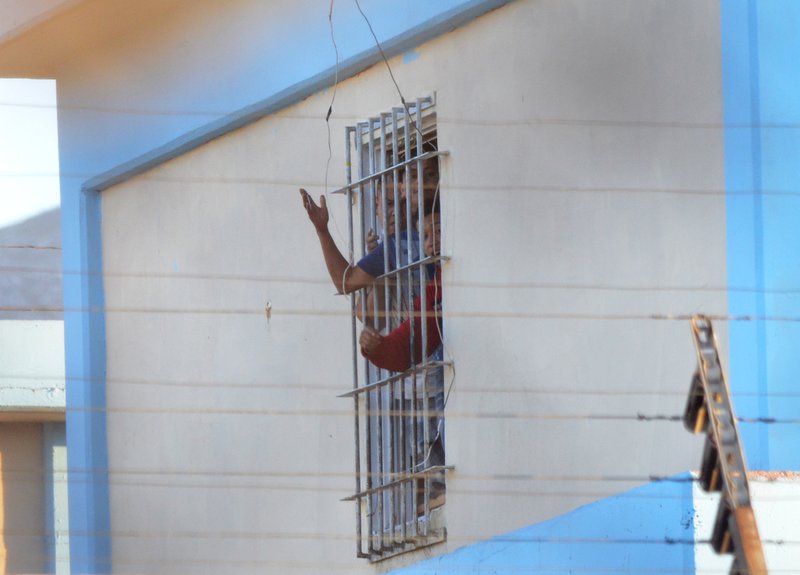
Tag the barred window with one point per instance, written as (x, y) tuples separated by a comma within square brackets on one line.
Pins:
[(398, 373)]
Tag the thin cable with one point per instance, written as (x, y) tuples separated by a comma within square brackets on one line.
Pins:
[(253, 311), (61, 380), (276, 184), (344, 490), (75, 471), (488, 566), (445, 348), (480, 415), (460, 284), (500, 122), (318, 535), (29, 247), (330, 111), (331, 216), (391, 74)]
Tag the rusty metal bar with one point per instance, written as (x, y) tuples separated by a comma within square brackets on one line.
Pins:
[(735, 530), (427, 472)]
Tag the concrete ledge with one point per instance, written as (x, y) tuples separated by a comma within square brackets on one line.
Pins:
[(32, 369)]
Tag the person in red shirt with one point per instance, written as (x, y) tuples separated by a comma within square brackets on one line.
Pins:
[(394, 350)]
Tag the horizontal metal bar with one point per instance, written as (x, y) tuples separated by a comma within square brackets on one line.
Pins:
[(417, 264), (389, 170), (394, 483), (396, 377)]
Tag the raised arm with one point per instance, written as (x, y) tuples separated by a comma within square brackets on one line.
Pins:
[(356, 278)]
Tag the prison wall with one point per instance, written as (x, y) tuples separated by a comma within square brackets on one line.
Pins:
[(583, 216)]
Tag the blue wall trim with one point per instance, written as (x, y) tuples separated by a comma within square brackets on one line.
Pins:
[(641, 531), (760, 50), (431, 28), (84, 327)]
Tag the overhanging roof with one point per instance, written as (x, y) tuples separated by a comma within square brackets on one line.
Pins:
[(40, 45)]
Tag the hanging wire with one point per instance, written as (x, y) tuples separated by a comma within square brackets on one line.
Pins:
[(414, 123)]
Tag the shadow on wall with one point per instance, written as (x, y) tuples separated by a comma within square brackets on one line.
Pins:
[(21, 507)]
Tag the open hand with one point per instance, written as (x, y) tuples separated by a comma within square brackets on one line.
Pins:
[(318, 214)]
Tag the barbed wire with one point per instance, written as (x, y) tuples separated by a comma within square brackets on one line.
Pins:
[(308, 386), (474, 314), (477, 284), (471, 121), (277, 185)]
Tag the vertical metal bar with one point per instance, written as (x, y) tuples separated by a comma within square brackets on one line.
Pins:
[(364, 171), (376, 416), (423, 309), (348, 180), (401, 417), (401, 259), (410, 405), (371, 169), (386, 391), (380, 404), (367, 218), (399, 209)]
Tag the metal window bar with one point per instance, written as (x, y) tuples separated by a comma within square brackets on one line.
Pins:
[(394, 477), (403, 491), (348, 178), (426, 432)]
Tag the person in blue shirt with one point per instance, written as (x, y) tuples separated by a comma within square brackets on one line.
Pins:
[(347, 278)]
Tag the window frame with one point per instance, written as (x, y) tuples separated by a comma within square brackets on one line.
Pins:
[(390, 519)]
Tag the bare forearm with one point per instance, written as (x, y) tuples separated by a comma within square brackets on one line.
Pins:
[(376, 294), (334, 260)]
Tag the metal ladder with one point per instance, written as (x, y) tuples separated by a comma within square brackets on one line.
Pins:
[(709, 409)]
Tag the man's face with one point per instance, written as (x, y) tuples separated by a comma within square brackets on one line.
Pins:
[(390, 209), (430, 181), (433, 238)]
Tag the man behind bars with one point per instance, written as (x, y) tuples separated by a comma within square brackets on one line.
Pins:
[(397, 351), (347, 278)]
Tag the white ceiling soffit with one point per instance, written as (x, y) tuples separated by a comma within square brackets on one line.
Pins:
[(64, 29), (19, 16)]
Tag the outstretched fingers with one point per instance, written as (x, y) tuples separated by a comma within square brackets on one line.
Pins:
[(308, 203)]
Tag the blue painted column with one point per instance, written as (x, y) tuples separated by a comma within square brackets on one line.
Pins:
[(84, 339), (761, 51)]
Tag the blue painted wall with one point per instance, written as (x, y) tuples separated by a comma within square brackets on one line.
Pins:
[(761, 48), (635, 532)]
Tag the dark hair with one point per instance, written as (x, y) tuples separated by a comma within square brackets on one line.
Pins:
[(431, 207)]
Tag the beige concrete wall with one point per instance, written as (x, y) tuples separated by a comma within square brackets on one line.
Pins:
[(21, 501), (583, 187)]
